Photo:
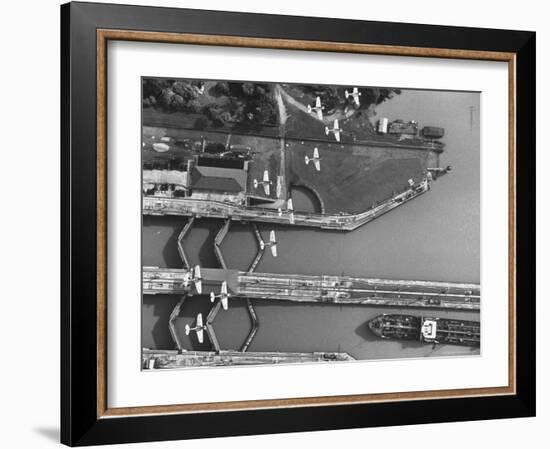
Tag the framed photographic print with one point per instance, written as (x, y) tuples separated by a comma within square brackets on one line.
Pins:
[(277, 224)]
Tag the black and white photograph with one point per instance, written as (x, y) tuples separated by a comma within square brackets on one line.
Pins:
[(305, 223)]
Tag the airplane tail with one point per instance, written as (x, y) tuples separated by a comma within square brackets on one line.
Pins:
[(307, 160), (262, 245), (212, 297), (327, 130), (187, 329), (255, 183), (280, 212), (309, 108), (347, 94)]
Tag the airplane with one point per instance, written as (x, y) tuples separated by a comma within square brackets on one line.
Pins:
[(271, 244), (199, 328), (355, 94), (194, 277), (318, 108), (265, 183), (223, 296), (334, 130), (279, 186), (289, 211), (315, 159)]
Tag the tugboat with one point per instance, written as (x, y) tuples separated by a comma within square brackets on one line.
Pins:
[(426, 329)]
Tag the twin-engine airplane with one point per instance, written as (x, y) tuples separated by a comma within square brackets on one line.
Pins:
[(334, 130), (265, 183), (318, 108), (199, 328), (223, 296), (315, 159), (289, 211), (355, 94), (194, 276), (272, 244)]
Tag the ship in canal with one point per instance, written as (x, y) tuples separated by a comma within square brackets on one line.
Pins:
[(426, 329)]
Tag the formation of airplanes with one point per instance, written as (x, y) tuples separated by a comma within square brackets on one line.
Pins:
[(315, 159), (272, 244), (194, 275), (289, 211)]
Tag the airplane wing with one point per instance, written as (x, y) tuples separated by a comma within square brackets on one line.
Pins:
[(317, 164), (266, 182), (337, 133), (225, 304), (318, 102), (224, 288), (289, 204), (198, 280), (200, 336), (199, 320), (272, 238), (316, 153), (274, 250), (336, 125), (319, 114)]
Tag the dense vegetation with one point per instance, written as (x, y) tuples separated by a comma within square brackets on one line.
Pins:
[(215, 103)]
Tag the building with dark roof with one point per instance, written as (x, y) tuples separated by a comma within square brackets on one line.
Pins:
[(218, 179)]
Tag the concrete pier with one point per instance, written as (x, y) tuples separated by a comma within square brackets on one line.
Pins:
[(166, 359), (319, 289), (215, 209)]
